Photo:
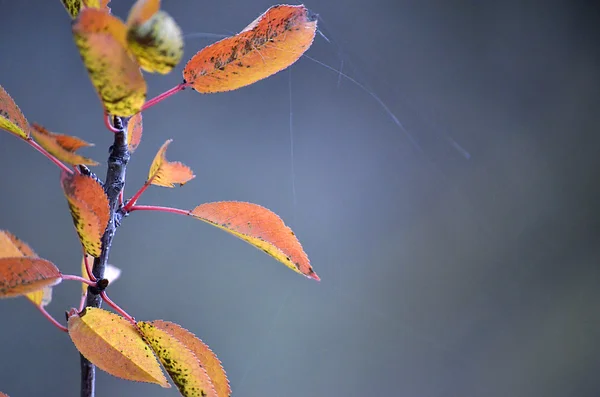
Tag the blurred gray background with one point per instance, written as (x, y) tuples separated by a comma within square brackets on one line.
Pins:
[(441, 276)]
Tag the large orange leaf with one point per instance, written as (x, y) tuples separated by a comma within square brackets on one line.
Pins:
[(168, 173), (181, 364), (22, 275), (101, 39), (114, 345), (11, 117), (61, 146), (205, 355), (11, 246), (259, 227), (154, 37), (89, 209), (134, 132), (73, 7), (274, 41)]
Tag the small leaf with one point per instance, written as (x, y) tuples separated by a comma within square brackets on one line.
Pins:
[(111, 273), (11, 117), (114, 345), (61, 146), (22, 275), (101, 39), (168, 173), (154, 37), (134, 132), (274, 41), (205, 355), (73, 7), (41, 297), (259, 227), (181, 364), (89, 209)]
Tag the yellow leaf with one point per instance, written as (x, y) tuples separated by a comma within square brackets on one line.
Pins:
[(89, 209), (154, 37), (11, 117), (259, 227), (73, 7), (22, 275), (61, 146), (101, 39), (168, 173), (205, 355), (134, 132), (273, 42), (111, 273), (41, 297), (114, 345), (181, 364)]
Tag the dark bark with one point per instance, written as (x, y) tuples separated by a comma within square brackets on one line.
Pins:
[(115, 180)]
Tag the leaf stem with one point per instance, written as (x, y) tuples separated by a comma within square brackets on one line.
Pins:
[(159, 209), (108, 124), (136, 196), (159, 98), (80, 279), (51, 319), (50, 157), (117, 308)]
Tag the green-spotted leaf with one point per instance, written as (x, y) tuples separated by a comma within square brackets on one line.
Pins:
[(180, 363), (154, 37), (259, 227), (23, 275), (11, 117), (114, 345), (116, 75), (205, 355)]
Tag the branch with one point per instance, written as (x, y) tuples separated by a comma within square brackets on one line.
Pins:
[(115, 180)]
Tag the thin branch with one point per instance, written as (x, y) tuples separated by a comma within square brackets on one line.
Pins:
[(117, 308), (115, 180), (159, 209), (108, 125), (136, 196), (159, 98), (50, 157), (58, 325), (80, 279)]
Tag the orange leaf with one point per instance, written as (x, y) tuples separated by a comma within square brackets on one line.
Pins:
[(61, 146), (89, 208), (134, 132), (181, 364), (3, 395), (11, 117), (168, 173), (101, 39), (274, 41), (259, 227), (22, 275), (207, 358), (114, 345)]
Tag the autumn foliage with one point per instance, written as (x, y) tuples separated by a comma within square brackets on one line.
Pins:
[(116, 53)]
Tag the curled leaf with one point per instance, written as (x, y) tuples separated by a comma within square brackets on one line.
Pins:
[(22, 275), (168, 173), (61, 146), (89, 209), (11, 117), (154, 37), (134, 132), (181, 364), (205, 355), (101, 39), (114, 345), (259, 227), (274, 41)]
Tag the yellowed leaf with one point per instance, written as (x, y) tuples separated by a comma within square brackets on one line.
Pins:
[(114, 345), (181, 364), (61, 146), (116, 75), (168, 173), (73, 7), (205, 355), (41, 297), (259, 227), (11, 117), (89, 209), (22, 275)]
